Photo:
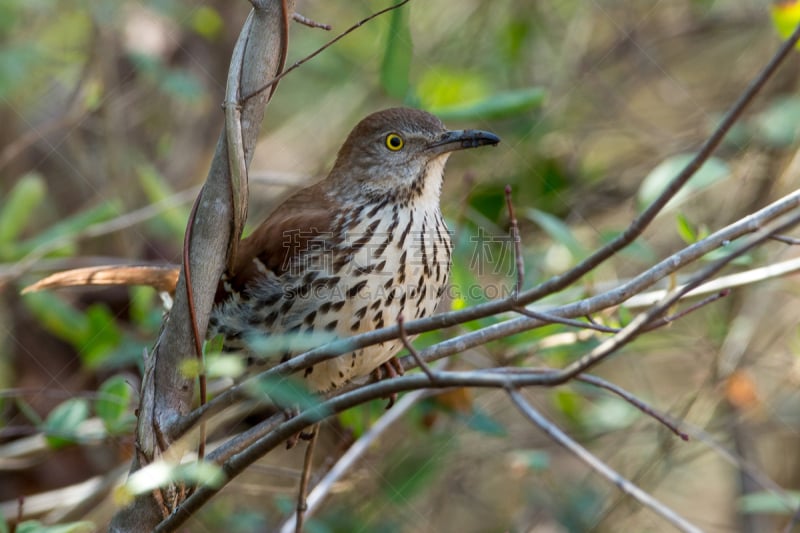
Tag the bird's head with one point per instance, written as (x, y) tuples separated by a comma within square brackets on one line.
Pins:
[(400, 150)]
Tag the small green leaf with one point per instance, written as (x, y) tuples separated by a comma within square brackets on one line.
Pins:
[(767, 502), (779, 124), (285, 392), (712, 171), (61, 235), (557, 230), (18, 208), (102, 337), (440, 87), (62, 423), (685, 229), (480, 421), (207, 22), (113, 405), (220, 365), (161, 474), (34, 526), (496, 106), (57, 317), (396, 63), (536, 460)]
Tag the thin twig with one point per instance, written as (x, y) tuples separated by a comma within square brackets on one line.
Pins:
[(413, 351), (786, 240), (663, 321), (634, 401), (355, 452), (519, 262), (312, 55), (545, 317), (305, 21), (598, 466), (304, 478)]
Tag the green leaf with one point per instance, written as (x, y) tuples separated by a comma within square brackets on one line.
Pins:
[(57, 317), (20, 205), (557, 230), (479, 420), (220, 365), (767, 502), (779, 124), (207, 22), (396, 63), (440, 87), (685, 229), (161, 474), (34, 526), (102, 337), (113, 405), (713, 170), (285, 392), (496, 106), (64, 232), (536, 460), (62, 423), (172, 222)]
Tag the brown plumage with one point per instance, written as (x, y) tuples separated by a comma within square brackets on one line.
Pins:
[(346, 255)]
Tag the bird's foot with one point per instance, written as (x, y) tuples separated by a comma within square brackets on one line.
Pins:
[(388, 370)]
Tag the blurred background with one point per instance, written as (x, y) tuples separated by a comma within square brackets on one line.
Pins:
[(110, 115)]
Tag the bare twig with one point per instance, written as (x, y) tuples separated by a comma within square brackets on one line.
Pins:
[(546, 317), (598, 466), (312, 55), (355, 452), (413, 351), (786, 240), (663, 321), (303, 489), (297, 17), (634, 401), (518, 259)]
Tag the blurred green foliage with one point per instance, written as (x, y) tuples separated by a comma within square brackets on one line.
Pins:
[(597, 106)]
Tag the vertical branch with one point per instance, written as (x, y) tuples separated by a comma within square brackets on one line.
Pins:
[(221, 207)]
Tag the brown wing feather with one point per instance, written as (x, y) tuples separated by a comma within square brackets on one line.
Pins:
[(306, 215)]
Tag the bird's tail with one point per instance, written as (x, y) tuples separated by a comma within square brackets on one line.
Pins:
[(162, 278)]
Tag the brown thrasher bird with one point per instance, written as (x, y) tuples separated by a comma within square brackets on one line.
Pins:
[(346, 255)]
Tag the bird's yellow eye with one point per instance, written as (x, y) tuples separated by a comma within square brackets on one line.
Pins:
[(394, 142)]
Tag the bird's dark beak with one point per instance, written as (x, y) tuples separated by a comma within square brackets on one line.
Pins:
[(462, 139)]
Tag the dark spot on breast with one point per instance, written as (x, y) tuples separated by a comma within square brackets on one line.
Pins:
[(355, 325), (309, 319), (286, 356), (375, 304), (330, 326), (422, 294), (286, 306), (308, 371), (352, 291), (269, 299), (361, 312), (337, 305), (360, 271), (270, 319), (402, 241)]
